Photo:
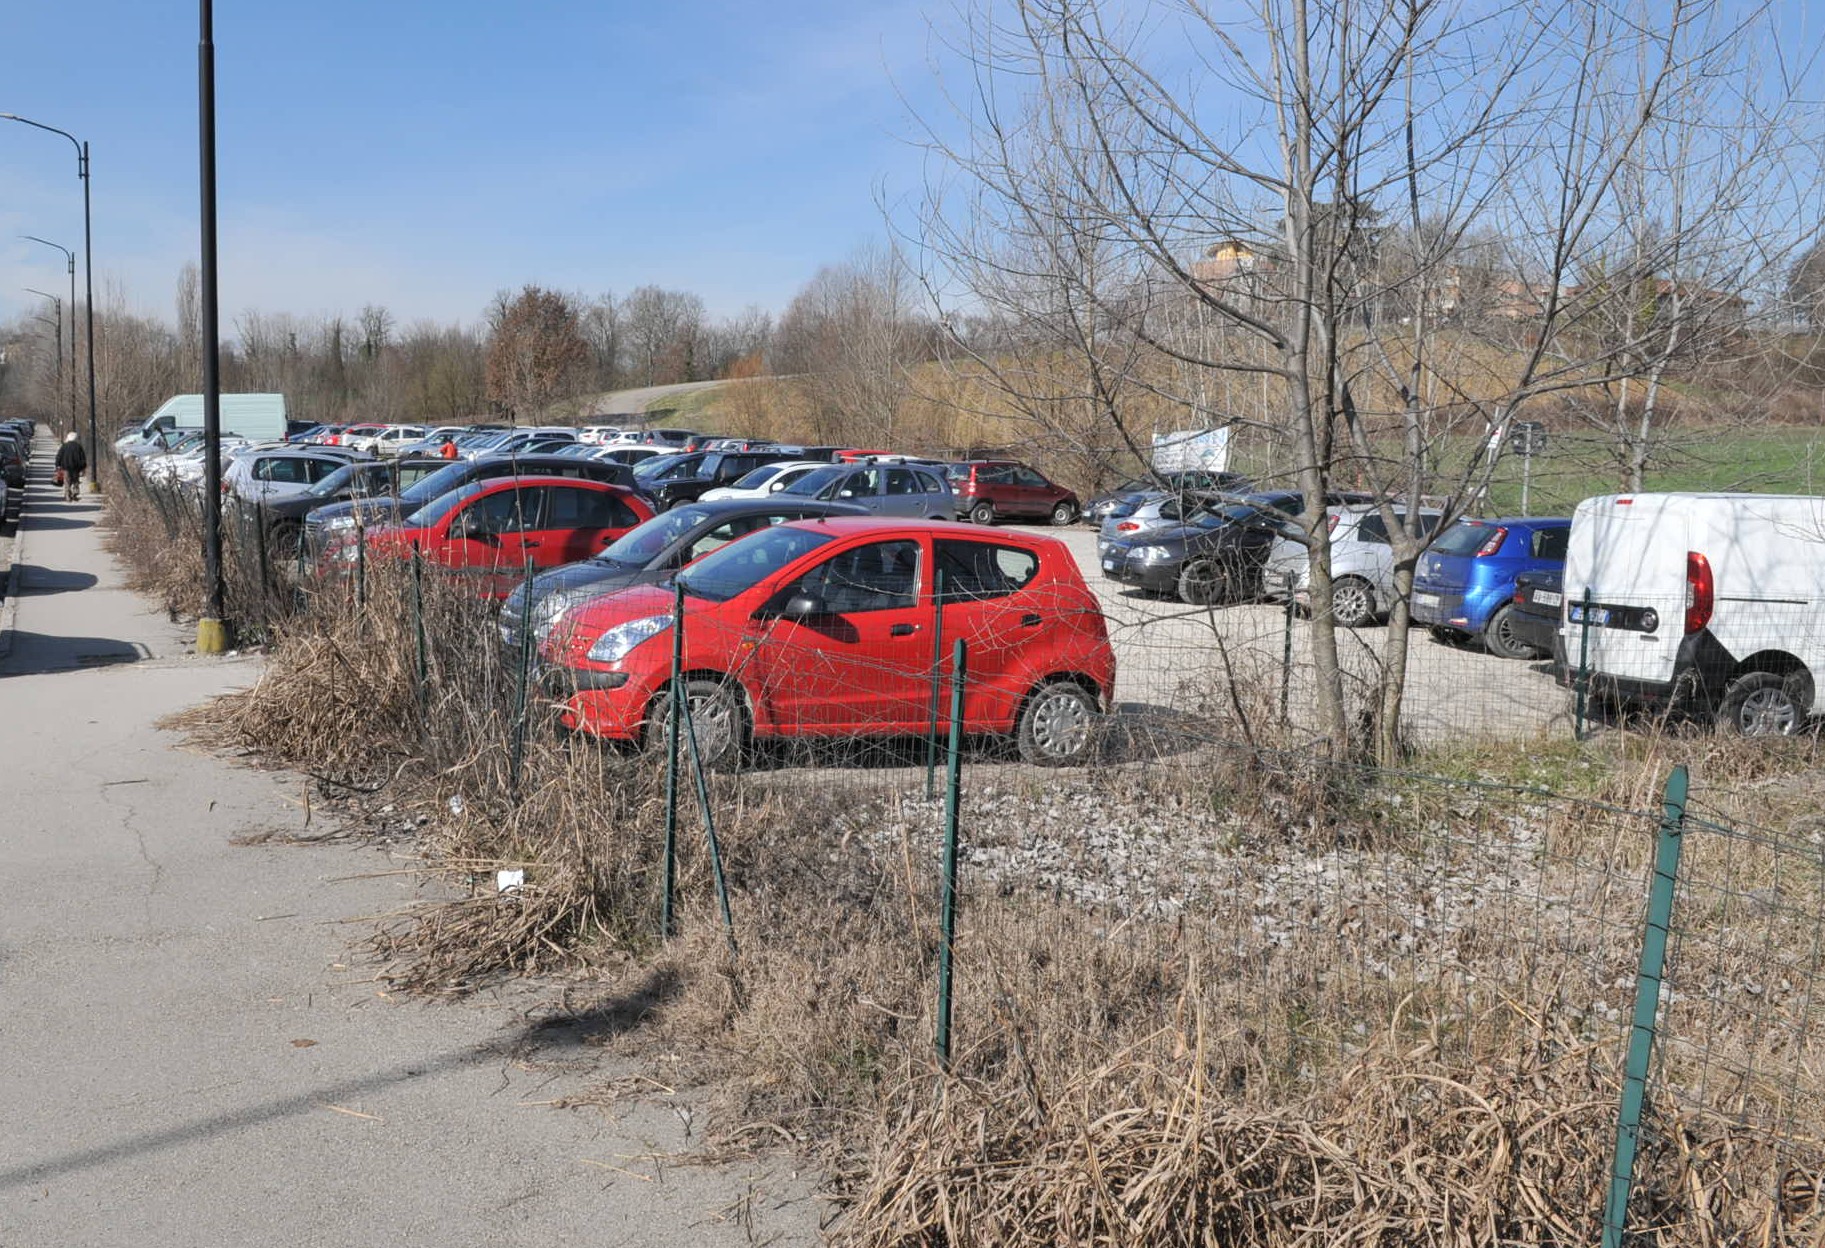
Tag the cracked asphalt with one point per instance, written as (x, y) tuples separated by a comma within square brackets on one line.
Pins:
[(194, 1053)]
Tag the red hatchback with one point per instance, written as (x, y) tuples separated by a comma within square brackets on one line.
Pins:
[(825, 628), (491, 529)]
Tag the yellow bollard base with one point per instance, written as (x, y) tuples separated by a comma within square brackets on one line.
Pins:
[(94, 486), (212, 637)]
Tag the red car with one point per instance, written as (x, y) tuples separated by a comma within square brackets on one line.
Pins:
[(988, 490), (491, 528), (824, 628)]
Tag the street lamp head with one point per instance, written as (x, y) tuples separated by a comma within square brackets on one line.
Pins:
[(68, 255)]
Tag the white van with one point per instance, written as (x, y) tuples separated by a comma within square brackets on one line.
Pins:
[(1712, 601), (258, 417)]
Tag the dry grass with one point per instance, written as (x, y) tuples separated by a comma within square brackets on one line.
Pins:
[(1383, 1008)]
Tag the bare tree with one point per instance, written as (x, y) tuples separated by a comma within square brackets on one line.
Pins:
[(662, 330), (536, 353), (848, 339)]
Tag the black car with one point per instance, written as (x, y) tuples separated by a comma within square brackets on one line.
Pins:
[(688, 477), (364, 479), (650, 553), (1124, 498), (1539, 598), (325, 522), (1214, 555)]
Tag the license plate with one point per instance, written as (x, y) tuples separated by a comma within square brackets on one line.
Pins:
[(1548, 597), (1110, 565), (1598, 615), (1427, 600)]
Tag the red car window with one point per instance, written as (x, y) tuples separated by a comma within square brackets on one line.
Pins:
[(881, 576), (972, 571)]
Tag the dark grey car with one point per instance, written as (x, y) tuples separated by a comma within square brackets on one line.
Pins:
[(378, 479), (650, 553), (911, 491)]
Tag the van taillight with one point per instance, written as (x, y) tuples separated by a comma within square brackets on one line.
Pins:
[(1700, 591), (1492, 543), (1330, 523)]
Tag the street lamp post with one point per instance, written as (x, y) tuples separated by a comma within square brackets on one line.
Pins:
[(212, 627), (57, 325), (88, 277), (70, 258)]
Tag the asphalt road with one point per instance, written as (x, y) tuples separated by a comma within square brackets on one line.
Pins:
[(193, 1052)]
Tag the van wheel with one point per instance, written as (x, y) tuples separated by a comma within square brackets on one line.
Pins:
[(1499, 638), (1064, 514), (1765, 704), (982, 513), (1057, 725), (717, 716), (1353, 602)]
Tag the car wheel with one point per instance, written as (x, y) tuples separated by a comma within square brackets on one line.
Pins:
[(982, 513), (1447, 636), (1765, 704), (1353, 602), (1064, 514), (1202, 583), (1057, 725), (1499, 638), (717, 716)]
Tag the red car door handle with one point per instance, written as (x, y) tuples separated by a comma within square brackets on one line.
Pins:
[(902, 630), (1029, 620)]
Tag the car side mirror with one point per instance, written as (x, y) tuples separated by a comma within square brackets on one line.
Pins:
[(802, 605)]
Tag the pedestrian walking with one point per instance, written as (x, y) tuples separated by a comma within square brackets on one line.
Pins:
[(72, 462)]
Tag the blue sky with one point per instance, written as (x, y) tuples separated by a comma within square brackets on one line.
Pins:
[(423, 155)]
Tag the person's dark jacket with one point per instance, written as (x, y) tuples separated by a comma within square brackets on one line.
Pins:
[(72, 458)]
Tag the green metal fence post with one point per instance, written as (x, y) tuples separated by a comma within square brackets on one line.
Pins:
[(948, 919), (361, 567), (525, 678), (1647, 1005), (709, 827), (1286, 650), (669, 885), (937, 705)]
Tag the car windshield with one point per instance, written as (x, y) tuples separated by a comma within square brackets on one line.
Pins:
[(640, 546), (434, 486), (739, 566), (433, 512), (337, 481), (814, 482), (759, 477), (653, 467), (1465, 538)]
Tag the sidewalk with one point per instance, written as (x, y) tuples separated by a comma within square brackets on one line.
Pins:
[(195, 1054)]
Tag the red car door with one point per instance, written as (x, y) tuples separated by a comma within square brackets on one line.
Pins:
[(990, 603), (858, 664), (486, 539)]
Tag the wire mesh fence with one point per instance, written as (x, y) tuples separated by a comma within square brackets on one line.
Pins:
[(1351, 965)]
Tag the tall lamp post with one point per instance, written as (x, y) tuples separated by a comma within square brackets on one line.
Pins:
[(70, 257), (212, 626), (57, 325), (88, 277)]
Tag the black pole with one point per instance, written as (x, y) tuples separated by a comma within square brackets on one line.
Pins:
[(88, 281), (88, 268), (212, 629)]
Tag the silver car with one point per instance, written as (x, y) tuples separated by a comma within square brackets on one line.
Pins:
[(1362, 562), (910, 490)]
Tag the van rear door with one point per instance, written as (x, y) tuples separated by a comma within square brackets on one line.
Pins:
[(1629, 552)]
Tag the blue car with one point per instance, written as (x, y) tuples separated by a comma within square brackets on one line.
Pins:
[(1464, 585)]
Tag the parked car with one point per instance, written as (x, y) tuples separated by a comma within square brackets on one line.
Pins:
[(1124, 498), (336, 519), (1539, 601), (630, 455), (491, 531), (596, 435), (688, 477), (1160, 511), (988, 490), (1362, 562), (649, 553), (395, 439), (823, 628), (908, 491), (1464, 585), (13, 453), (268, 476), (385, 478), (358, 437), (1215, 554), (765, 480), (1707, 603)]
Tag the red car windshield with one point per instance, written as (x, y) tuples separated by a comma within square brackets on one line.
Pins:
[(740, 566)]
